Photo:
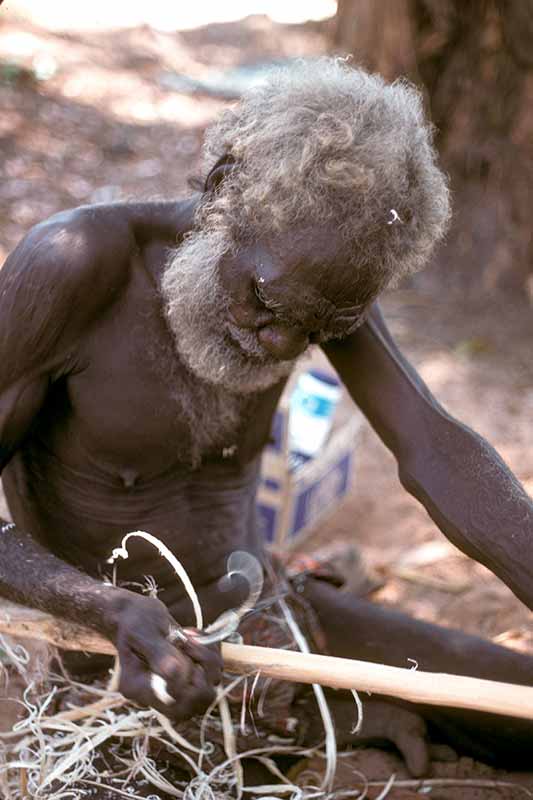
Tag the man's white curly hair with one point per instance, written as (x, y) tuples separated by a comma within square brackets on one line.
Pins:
[(324, 143)]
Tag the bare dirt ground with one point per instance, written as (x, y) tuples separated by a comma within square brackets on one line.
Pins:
[(87, 117)]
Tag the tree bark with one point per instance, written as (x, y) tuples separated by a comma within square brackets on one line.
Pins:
[(474, 61)]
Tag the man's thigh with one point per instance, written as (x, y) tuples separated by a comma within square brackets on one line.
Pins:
[(356, 628)]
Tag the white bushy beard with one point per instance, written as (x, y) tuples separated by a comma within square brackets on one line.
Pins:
[(196, 306)]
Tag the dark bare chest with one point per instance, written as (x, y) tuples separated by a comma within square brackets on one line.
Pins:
[(133, 407)]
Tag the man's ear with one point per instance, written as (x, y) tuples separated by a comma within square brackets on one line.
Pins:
[(224, 166)]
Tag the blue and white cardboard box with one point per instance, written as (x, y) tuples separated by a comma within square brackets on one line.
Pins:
[(292, 502)]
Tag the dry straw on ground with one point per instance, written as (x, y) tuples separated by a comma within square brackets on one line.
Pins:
[(55, 755)]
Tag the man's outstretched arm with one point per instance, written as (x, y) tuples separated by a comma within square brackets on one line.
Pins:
[(464, 484)]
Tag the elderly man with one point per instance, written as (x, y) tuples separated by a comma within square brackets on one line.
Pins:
[(143, 349)]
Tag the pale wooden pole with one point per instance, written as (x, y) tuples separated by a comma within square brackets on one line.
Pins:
[(430, 688)]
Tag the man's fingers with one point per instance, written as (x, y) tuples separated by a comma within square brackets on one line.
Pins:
[(404, 728), (150, 690), (134, 683), (175, 663), (210, 658), (172, 665), (168, 680), (202, 693), (414, 749), (194, 701), (177, 681), (160, 689), (159, 658)]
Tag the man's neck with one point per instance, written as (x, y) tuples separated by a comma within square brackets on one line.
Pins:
[(164, 221)]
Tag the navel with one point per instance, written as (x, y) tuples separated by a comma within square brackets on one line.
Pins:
[(129, 478)]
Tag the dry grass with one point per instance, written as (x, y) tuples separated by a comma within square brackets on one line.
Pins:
[(54, 755)]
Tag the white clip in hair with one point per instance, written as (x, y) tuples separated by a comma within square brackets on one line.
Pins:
[(395, 217), (7, 526)]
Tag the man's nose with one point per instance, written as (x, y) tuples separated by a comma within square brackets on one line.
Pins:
[(282, 342)]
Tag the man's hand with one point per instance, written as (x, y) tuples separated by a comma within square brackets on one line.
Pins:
[(383, 721), (406, 730), (191, 670)]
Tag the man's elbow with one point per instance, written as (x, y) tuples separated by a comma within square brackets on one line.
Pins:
[(409, 479), (418, 472)]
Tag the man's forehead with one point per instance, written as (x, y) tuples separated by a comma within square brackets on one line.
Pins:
[(306, 267), (309, 246), (307, 282)]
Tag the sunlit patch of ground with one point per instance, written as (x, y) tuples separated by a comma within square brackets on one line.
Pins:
[(165, 15), (87, 116)]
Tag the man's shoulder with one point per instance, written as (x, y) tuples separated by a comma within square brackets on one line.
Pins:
[(83, 252), (79, 241), (109, 232)]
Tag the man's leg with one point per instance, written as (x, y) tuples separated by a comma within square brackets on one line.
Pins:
[(363, 630)]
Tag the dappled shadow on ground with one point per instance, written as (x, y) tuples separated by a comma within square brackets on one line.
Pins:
[(88, 117), (58, 153)]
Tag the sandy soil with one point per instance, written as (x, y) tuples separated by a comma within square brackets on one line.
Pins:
[(87, 118)]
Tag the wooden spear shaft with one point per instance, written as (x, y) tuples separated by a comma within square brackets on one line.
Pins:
[(431, 688)]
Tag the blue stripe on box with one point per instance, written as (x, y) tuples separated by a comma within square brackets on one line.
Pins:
[(314, 500), (270, 483)]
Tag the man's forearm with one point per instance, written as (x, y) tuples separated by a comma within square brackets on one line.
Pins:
[(476, 501), (31, 575), (460, 479)]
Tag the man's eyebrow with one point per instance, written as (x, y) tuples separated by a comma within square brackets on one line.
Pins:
[(268, 302), (347, 319), (349, 311), (347, 315), (337, 316)]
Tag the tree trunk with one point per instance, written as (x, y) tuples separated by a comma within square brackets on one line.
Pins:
[(474, 61)]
